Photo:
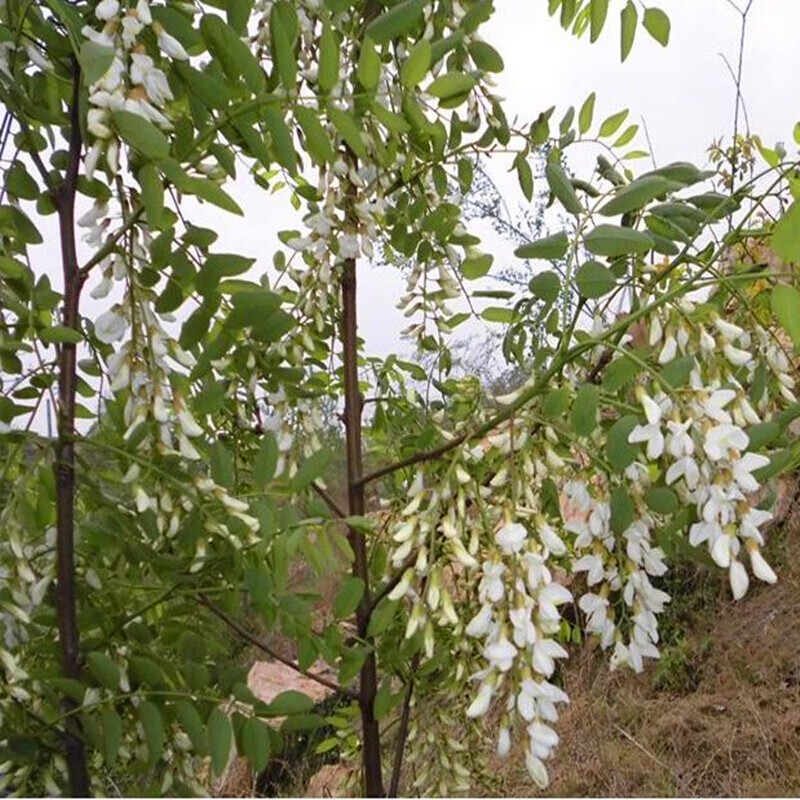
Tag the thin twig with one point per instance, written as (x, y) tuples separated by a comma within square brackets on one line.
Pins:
[(392, 582), (329, 501), (264, 647), (402, 733)]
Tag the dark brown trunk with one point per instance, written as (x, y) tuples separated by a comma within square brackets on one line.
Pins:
[(373, 779), (64, 466)]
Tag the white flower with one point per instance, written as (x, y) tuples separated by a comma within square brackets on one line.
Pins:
[(480, 705), (739, 579), (96, 123), (714, 406), (107, 9), (550, 539), (543, 739), (679, 440), (591, 564), (144, 72), (761, 569), (481, 623), (110, 326), (188, 424), (348, 246), (729, 331), (187, 449), (685, 468), (537, 770), (491, 585), (511, 537), (736, 355), (668, 351), (501, 654), (504, 742), (102, 289), (524, 629), (170, 45), (743, 468), (750, 523), (722, 549), (143, 12), (544, 652), (722, 438)]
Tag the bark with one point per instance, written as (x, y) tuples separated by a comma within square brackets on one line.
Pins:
[(64, 466)]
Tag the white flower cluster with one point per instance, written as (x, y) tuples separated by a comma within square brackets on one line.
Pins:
[(133, 82), (702, 436)]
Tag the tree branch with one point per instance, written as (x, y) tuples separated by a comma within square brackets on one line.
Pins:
[(402, 733), (328, 500), (264, 647)]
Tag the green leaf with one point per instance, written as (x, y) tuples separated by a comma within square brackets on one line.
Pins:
[(786, 234), (290, 702), (104, 670), (625, 137), (192, 724), (450, 85), (397, 21), (256, 744), (369, 65), (662, 500), (141, 134), (629, 19), (503, 315), (611, 125), (266, 460), (20, 184), (556, 403), (678, 371), (623, 512), (619, 452), (549, 248), (785, 301), (637, 194), (112, 735), (318, 143), (60, 334), (584, 410), (561, 186), (15, 223), (281, 137), (382, 616), (611, 240), (657, 24), (586, 114), (231, 52), (383, 701), (95, 60), (11, 268), (476, 265), (152, 194), (220, 737), (524, 175), (546, 286), (417, 64), (311, 469), (284, 30), (328, 68), (594, 280), (153, 727), (486, 58), (348, 597), (221, 464), (349, 130), (598, 14)]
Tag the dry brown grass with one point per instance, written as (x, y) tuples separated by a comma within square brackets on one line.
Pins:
[(733, 731)]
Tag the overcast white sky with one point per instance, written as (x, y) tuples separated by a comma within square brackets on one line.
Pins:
[(684, 93)]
